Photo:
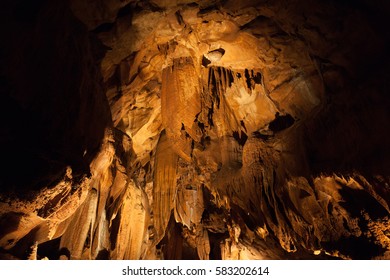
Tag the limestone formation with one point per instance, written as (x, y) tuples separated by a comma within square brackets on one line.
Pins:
[(204, 129)]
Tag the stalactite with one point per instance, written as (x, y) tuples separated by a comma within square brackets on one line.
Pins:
[(164, 189), (134, 218), (242, 130), (80, 228)]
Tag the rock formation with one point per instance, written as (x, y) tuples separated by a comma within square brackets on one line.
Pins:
[(207, 129)]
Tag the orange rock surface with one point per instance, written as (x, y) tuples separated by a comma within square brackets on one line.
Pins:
[(195, 130)]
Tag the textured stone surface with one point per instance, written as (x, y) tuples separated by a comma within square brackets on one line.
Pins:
[(238, 130)]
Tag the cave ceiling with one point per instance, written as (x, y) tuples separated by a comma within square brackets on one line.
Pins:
[(195, 129)]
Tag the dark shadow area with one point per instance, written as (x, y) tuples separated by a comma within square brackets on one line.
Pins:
[(281, 122), (103, 255), (240, 137), (351, 132), (50, 249), (53, 110), (359, 200), (358, 248)]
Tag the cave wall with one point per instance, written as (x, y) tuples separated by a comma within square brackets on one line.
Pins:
[(195, 130)]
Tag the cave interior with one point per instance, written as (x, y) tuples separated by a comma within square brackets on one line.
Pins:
[(210, 129)]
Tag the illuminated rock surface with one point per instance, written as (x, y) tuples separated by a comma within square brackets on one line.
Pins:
[(195, 130)]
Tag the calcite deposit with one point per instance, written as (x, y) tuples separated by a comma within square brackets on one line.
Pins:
[(207, 129)]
